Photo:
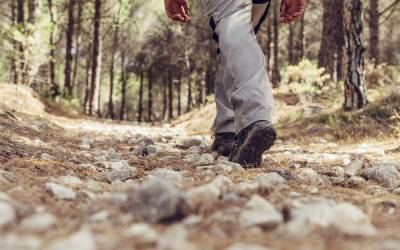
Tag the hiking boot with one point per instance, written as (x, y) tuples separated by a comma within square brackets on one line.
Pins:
[(223, 143), (252, 142)]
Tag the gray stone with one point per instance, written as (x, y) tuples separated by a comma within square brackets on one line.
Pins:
[(259, 212), (246, 246), (60, 192), (353, 168), (39, 221), (168, 175), (82, 240), (19, 242), (206, 195), (100, 216), (155, 201), (194, 150), (355, 181), (142, 231), (175, 238), (205, 160), (121, 174), (151, 150), (272, 179), (146, 141), (385, 174), (309, 175), (193, 141), (8, 214), (344, 217), (285, 173), (7, 177), (236, 167), (191, 158)]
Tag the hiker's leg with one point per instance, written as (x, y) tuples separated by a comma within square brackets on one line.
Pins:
[(250, 92), (224, 122)]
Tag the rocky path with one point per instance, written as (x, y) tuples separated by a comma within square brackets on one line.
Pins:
[(79, 184)]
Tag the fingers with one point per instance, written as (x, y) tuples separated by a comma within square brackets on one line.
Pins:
[(284, 8), (184, 9), (176, 17)]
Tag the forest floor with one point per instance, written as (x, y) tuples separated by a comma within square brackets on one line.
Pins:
[(84, 184)]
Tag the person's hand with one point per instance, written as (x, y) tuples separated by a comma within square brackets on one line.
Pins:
[(178, 10), (291, 10)]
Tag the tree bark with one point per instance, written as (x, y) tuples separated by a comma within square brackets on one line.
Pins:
[(374, 30), (326, 57), (124, 82), (290, 44), (355, 88), (340, 42), (150, 97), (14, 72), (179, 90), (54, 90), (69, 44), (170, 97), (88, 77), (21, 50), (77, 42), (140, 104), (165, 89), (276, 76), (96, 60)]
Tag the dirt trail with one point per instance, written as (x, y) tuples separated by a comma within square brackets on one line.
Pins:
[(83, 184)]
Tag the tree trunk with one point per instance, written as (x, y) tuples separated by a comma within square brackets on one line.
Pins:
[(299, 43), (88, 77), (140, 104), (54, 90), (355, 92), (269, 44), (179, 90), (123, 88), (326, 57), (14, 72), (340, 42), (189, 97), (96, 60), (77, 42), (150, 97), (276, 76), (374, 31), (170, 97), (165, 89), (68, 47), (290, 45), (21, 49)]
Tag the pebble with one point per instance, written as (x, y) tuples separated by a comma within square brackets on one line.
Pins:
[(193, 141), (60, 192), (246, 246), (8, 214), (385, 174), (259, 212), (82, 240), (70, 180), (155, 201), (353, 168), (174, 238), (205, 160), (168, 175), (146, 141), (310, 176), (286, 174), (272, 179), (7, 177), (39, 221), (47, 157), (121, 174), (19, 242), (206, 195), (142, 231)]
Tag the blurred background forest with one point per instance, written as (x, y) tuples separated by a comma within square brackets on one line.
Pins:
[(125, 60)]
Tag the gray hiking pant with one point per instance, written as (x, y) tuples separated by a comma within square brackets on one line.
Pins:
[(242, 88)]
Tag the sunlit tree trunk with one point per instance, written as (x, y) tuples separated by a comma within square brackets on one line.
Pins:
[(170, 97), (88, 77), (179, 92), (54, 90), (124, 82), (355, 92), (96, 61), (14, 72), (77, 41), (68, 49), (150, 96)]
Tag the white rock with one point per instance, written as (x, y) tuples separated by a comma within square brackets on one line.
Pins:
[(208, 194), (60, 192), (39, 222), (272, 178), (168, 175), (233, 165), (191, 158), (119, 174), (205, 160), (142, 231), (344, 217), (353, 168), (309, 175), (175, 238), (19, 242), (47, 157), (100, 216), (259, 212), (193, 141), (245, 246), (70, 180), (7, 214), (82, 240)]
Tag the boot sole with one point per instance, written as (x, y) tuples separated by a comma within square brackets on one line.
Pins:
[(250, 153)]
